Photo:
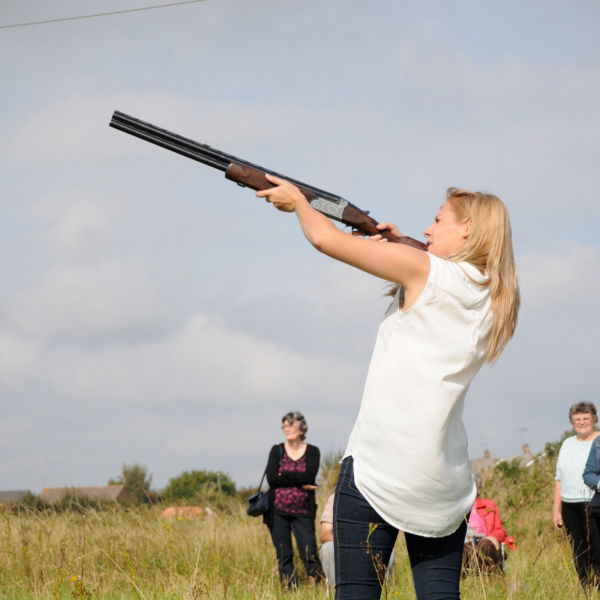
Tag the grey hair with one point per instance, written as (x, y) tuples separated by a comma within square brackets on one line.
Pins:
[(583, 407), (296, 417)]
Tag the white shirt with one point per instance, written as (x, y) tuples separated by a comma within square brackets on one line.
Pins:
[(572, 456), (409, 444)]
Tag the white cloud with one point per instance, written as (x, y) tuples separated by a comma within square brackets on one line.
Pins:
[(203, 363), (564, 278), (80, 222), (75, 128), (13, 430), (84, 303), (18, 357)]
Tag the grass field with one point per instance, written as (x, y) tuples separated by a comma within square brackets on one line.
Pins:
[(118, 553)]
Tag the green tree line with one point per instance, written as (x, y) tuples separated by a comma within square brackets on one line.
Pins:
[(188, 485)]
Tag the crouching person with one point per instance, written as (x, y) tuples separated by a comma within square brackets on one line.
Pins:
[(485, 535)]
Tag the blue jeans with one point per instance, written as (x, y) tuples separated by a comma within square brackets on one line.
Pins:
[(364, 541)]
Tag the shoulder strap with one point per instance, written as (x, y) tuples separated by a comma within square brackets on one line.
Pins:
[(265, 471), (262, 479)]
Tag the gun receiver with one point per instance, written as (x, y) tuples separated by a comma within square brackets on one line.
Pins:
[(250, 175)]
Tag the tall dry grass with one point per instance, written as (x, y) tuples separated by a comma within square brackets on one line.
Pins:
[(123, 553)]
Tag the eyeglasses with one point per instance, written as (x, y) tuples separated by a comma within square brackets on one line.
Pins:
[(582, 420)]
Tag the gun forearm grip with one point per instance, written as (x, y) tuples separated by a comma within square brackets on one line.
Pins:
[(247, 177), (255, 179)]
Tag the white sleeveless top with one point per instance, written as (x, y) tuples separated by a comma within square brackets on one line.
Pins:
[(409, 444)]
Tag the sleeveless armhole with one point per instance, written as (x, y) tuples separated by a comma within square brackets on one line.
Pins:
[(425, 292)]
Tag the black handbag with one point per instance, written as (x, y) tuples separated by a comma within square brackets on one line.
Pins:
[(258, 504), (594, 506)]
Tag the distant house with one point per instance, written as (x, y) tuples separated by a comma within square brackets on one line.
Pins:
[(116, 493), (484, 463), (487, 462), (526, 459), (14, 495)]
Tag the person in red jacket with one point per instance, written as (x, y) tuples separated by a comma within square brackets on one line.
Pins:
[(485, 534)]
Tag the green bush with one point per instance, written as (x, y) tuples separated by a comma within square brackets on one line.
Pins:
[(137, 482), (198, 483)]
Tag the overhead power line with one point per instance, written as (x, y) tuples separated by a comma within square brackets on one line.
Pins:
[(104, 14)]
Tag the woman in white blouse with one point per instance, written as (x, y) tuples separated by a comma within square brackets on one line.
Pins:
[(406, 467), (572, 495)]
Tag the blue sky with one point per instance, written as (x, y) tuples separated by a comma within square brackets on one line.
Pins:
[(152, 312)]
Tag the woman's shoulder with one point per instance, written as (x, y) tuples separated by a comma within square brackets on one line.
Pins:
[(572, 445), (567, 442), (459, 279), (563, 449), (310, 448)]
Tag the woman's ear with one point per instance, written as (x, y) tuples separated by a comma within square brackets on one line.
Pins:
[(467, 226)]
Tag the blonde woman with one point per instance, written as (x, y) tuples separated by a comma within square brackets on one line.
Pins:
[(406, 467)]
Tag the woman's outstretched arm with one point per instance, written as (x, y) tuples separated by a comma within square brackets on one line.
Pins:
[(393, 262)]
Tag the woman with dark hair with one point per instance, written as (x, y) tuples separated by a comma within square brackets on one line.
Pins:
[(291, 472), (406, 467), (572, 495)]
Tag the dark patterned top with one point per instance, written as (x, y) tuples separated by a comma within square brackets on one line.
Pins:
[(278, 478), (292, 500)]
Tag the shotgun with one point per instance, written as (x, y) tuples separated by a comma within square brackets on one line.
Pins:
[(247, 174)]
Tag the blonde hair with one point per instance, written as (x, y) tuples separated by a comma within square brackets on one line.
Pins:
[(489, 248)]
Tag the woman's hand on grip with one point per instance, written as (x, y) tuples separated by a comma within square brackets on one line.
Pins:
[(389, 227), (384, 226)]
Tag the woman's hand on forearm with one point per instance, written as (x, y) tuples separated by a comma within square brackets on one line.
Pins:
[(394, 262), (284, 196)]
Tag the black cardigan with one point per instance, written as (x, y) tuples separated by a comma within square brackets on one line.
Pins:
[(293, 479)]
